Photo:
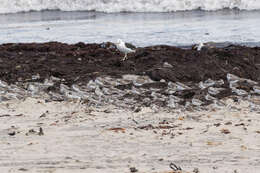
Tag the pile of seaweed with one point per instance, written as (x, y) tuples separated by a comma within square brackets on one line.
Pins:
[(160, 75)]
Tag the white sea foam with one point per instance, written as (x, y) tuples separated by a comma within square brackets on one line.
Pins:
[(109, 6)]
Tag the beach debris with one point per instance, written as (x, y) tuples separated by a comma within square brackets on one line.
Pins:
[(209, 82), (3, 84), (22, 169), (175, 167), (133, 169), (42, 115), (107, 111), (196, 102), (241, 86), (136, 91), (214, 167), (5, 115), (103, 45), (215, 91), (12, 133), (256, 89), (137, 109), (40, 131), (31, 131), (147, 61), (225, 131), (130, 89), (147, 127), (196, 170), (239, 92), (117, 129), (19, 115), (240, 124), (134, 121), (167, 65), (108, 45), (211, 143), (209, 97), (217, 124), (172, 102), (35, 77), (178, 86), (206, 84), (228, 123), (243, 147), (232, 78), (91, 85)]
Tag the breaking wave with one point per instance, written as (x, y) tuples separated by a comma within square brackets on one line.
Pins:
[(111, 6)]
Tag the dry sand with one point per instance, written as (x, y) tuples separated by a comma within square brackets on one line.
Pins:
[(108, 139)]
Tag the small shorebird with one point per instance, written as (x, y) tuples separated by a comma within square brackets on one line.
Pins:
[(120, 45)]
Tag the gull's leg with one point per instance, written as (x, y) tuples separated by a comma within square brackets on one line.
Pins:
[(125, 57)]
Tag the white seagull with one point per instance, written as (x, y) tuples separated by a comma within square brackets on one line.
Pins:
[(200, 46), (120, 45)]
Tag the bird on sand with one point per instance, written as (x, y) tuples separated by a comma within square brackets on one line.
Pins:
[(120, 45)]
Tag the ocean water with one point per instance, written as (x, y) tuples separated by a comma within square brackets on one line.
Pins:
[(13, 6), (141, 22)]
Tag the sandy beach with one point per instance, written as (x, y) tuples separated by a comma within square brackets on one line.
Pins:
[(129, 86), (80, 108), (77, 138)]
